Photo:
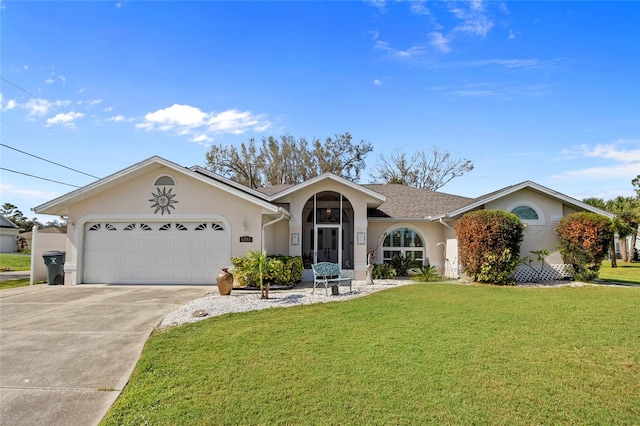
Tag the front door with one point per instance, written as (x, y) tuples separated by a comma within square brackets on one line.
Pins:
[(327, 241)]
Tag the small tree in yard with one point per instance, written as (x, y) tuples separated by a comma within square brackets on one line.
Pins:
[(584, 239), (259, 266), (489, 244)]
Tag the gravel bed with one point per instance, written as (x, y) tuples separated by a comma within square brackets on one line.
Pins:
[(212, 304)]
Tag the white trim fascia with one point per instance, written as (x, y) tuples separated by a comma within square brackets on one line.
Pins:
[(399, 219), (523, 185), (132, 171), (331, 176)]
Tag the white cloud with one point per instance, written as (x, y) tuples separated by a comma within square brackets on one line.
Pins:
[(235, 122), (474, 21), (201, 138), (117, 118), (377, 82), (440, 42), (618, 162), (173, 117), (412, 52), (49, 81), (94, 102), (11, 191), (605, 151), (186, 120), (419, 7), (66, 119), (37, 107), (64, 80), (11, 104)]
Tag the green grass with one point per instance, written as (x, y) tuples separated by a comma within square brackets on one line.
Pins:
[(17, 261), (626, 272), (419, 354), (21, 282)]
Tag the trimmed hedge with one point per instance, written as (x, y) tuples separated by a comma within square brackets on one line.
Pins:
[(584, 241), (281, 270), (489, 245)]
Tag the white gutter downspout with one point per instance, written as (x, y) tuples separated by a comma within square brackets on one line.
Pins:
[(283, 215), (445, 224)]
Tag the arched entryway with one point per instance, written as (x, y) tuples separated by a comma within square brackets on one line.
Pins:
[(328, 230)]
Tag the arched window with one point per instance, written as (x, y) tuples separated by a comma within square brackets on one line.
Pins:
[(528, 212), (403, 242), (164, 181)]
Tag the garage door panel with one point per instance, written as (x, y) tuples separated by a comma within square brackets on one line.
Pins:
[(145, 254)]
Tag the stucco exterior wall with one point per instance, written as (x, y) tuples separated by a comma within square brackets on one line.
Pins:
[(358, 202), (537, 236), (196, 201), (41, 243), (432, 234)]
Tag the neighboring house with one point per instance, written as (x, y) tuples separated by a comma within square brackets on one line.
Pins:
[(54, 230), (161, 223), (8, 236)]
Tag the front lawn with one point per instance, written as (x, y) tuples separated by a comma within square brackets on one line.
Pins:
[(419, 354), (626, 272), (15, 261)]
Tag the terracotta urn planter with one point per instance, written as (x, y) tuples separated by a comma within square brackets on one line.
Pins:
[(225, 282)]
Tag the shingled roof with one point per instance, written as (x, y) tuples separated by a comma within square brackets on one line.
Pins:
[(405, 202)]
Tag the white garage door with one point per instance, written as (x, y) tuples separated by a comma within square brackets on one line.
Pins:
[(154, 253)]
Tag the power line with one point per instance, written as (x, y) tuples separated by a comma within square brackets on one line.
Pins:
[(49, 161), (38, 177), (15, 85)]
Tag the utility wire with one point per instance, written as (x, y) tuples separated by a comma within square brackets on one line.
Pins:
[(49, 161), (15, 85), (38, 177)]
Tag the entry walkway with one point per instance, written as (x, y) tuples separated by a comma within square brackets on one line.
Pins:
[(66, 352)]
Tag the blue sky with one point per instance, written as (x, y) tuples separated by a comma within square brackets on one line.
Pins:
[(543, 91)]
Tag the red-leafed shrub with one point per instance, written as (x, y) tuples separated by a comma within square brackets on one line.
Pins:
[(584, 240), (489, 245)]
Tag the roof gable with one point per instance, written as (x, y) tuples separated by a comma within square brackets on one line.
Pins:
[(374, 197), (59, 206), (484, 199), (6, 223)]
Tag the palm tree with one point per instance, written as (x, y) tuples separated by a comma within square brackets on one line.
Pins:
[(627, 209), (259, 266)]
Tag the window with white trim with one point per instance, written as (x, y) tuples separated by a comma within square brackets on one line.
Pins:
[(403, 242)]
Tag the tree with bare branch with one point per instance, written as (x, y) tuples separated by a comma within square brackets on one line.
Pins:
[(425, 170)]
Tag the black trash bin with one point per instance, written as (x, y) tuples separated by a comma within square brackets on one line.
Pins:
[(55, 266)]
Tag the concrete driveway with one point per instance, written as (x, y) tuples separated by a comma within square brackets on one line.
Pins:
[(66, 352)]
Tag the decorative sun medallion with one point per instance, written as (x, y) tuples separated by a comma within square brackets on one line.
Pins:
[(162, 201)]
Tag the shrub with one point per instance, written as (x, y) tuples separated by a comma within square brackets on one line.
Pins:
[(489, 245), (425, 274), (402, 264), (584, 240), (281, 270), (383, 271)]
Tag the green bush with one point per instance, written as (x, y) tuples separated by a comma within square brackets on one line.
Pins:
[(584, 241), (498, 269), (425, 274), (402, 264), (383, 271), (489, 245), (281, 270)]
